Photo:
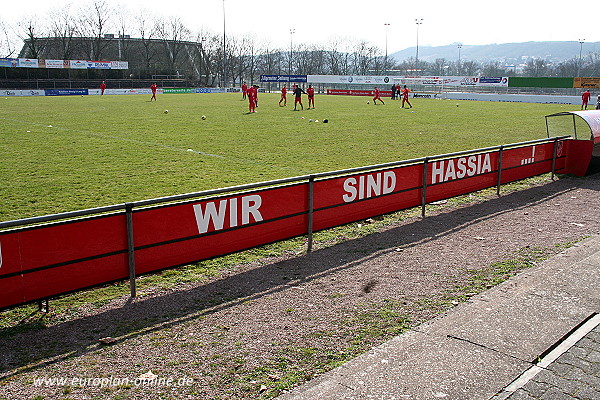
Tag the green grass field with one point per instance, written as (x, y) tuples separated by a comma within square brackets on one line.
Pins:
[(68, 153)]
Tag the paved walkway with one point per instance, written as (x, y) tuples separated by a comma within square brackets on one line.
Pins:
[(536, 336)]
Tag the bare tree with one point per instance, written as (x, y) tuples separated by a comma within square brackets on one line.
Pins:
[(63, 29), (8, 47), (94, 24), (536, 67), (32, 33), (174, 34)]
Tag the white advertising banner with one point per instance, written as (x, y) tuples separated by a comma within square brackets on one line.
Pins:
[(77, 64), (28, 63), (409, 80), (119, 65), (55, 63)]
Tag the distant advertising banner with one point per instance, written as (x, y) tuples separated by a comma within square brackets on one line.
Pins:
[(178, 90), (66, 92), (283, 78), (586, 83), (77, 64), (9, 62), (55, 63), (119, 65), (28, 63), (98, 64)]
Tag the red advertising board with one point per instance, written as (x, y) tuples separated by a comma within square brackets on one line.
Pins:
[(346, 92), (59, 258), (183, 233), (52, 259)]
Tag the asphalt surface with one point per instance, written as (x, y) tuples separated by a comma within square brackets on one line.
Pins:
[(535, 336)]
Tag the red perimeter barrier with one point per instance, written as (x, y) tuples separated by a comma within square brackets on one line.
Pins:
[(38, 262)]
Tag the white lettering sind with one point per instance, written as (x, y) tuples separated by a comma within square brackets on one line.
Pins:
[(447, 170), (231, 210), (369, 186)]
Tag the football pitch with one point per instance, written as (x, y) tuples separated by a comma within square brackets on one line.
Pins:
[(69, 153)]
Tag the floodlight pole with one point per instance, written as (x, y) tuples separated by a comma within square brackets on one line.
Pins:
[(224, 53), (419, 21), (459, 47), (386, 48), (581, 42), (292, 31)]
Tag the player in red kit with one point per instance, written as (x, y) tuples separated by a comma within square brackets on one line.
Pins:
[(585, 97), (102, 88), (283, 96), (405, 93), (153, 87), (310, 91), (252, 93), (377, 96), (244, 91)]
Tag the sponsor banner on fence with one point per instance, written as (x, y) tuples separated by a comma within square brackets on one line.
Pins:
[(78, 64), (587, 83), (178, 90), (98, 64), (9, 62), (119, 65), (283, 78), (22, 92), (65, 92), (513, 98), (28, 63), (55, 63)]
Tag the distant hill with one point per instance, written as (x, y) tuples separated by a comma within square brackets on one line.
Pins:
[(509, 53)]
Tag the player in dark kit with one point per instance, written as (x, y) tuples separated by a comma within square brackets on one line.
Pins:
[(298, 97)]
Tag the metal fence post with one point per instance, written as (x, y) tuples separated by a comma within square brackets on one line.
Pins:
[(499, 170), (424, 191), (554, 151), (130, 248), (311, 195)]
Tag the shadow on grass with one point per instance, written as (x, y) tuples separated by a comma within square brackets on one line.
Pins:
[(23, 347)]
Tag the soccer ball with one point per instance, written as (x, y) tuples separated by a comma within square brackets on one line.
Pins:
[(166, 111), (368, 102), (203, 117), (456, 104), (310, 120)]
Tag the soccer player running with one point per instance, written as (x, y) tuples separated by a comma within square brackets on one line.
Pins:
[(283, 96), (298, 97), (153, 87), (377, 96), (310, 91), (405, 93), (585, 98)]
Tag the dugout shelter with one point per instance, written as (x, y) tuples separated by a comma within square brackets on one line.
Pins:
[(584, 127)]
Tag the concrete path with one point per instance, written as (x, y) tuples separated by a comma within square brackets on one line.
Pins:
[(536, 336)]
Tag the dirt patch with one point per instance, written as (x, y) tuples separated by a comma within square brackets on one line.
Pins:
[(261, 328)]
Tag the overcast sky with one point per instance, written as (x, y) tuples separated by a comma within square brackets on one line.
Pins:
[(471, 22)]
